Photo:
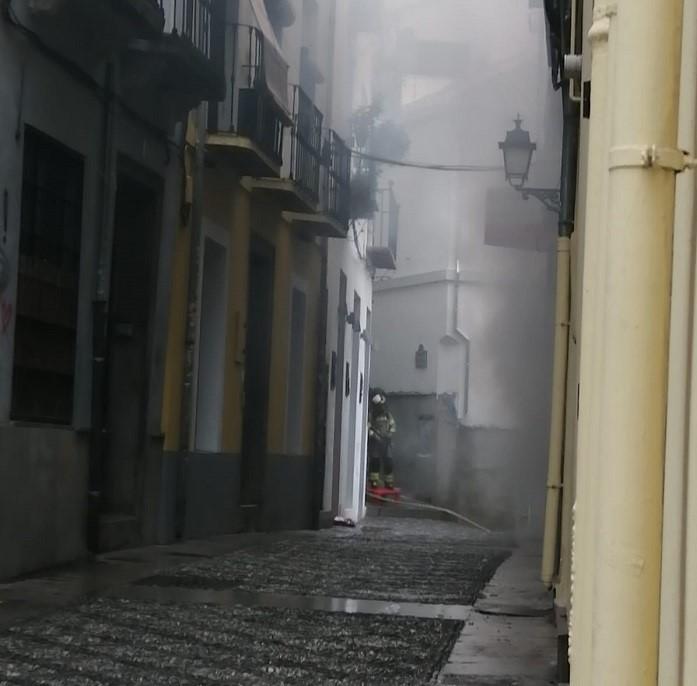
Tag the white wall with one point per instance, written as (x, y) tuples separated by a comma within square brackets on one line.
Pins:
[(343, 257), (404, 319), (211, 338)]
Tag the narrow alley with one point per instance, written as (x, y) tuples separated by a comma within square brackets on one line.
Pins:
[(392, 602), (348, 342)]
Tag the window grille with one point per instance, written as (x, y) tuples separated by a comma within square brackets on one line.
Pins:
[(48, 276)]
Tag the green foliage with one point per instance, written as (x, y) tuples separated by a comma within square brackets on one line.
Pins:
[(375, 136)]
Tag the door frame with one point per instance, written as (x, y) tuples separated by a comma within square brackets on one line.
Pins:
[(217, 234), (348, 490), (152, 182), (299, 284), (339, 390), (260, 247)]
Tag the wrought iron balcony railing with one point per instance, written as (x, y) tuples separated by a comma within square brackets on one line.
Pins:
[(383, 230), (255, 100), (306, 145), (190, 20), (336, 161)]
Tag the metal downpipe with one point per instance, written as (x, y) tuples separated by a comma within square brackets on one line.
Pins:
[(673, 568), (100, 312), (550, 549), (592, 317), (634, 342), (553, 510), (192, 317)]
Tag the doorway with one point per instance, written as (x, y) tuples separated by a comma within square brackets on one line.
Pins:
[(352, 458), (365, 392), (133, 268), (257, 364), (210, 382), (339, 390)]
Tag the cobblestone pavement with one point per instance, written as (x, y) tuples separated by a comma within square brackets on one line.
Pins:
[(129, 640), (112, 642), (424, 563)]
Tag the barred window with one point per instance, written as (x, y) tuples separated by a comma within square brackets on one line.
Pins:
[(49, 270)]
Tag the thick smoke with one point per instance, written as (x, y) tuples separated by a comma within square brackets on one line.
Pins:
[(452, 75)]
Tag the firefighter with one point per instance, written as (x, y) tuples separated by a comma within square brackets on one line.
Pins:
[(381, 429)]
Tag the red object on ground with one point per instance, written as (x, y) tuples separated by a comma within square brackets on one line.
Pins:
[(376, 494)]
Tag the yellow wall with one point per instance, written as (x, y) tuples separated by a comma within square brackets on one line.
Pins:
[(176, 332), (293, 257), (307, 262), (231, 207), (174, 365)]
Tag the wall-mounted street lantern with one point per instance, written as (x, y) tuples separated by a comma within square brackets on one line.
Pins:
[(517, 152)]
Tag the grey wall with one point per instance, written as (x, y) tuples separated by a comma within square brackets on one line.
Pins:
[(494, 485), (43, 470), (425, 446), (288, 497), (212, 494), (43, 489)]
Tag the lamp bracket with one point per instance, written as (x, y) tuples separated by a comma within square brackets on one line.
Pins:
[(549, 197)]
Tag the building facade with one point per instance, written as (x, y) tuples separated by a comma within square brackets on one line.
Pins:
[(91, 174), (254, 439), (175, 217)]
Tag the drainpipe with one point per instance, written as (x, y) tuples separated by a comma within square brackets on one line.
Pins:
[(550, 549), (592, 285), (100, 306), (569, 164), (672, 635), (636, 304), (192, 317)]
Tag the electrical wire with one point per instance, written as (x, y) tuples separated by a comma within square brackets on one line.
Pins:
[(409, 502), (423, 165)]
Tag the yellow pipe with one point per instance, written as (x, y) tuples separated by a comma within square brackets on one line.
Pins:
[(550, 548), (688, 591), (631, 439), (672, 635), (592, 284), (563, 586)]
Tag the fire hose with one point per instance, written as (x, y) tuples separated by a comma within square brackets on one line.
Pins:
[(425, 506)]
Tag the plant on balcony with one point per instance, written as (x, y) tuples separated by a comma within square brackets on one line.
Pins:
[(373, 137)]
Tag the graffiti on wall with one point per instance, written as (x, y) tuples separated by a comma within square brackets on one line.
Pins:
[(6, 306)]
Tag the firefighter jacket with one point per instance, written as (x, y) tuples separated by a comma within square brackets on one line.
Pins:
[(382, 426)]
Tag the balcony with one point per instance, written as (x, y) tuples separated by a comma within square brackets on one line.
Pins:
[(383, 231), (248, 126), (90, 29), (297, 189), (331, 215), (178, 61)]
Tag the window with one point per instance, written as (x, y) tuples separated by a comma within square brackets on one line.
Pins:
[(49, 270)]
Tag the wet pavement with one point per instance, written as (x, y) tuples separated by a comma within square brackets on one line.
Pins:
[(509, 638), (363, 564), (126, 642), (378, 605)]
